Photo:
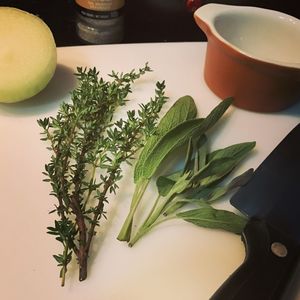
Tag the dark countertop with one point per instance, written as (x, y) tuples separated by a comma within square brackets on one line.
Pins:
[(144, 20)]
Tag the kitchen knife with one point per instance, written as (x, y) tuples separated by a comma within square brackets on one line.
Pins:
[(271, 198)]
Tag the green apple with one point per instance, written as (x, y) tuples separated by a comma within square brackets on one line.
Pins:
[(27, 55)]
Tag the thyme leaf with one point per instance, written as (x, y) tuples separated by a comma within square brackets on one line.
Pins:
[(88, 149)]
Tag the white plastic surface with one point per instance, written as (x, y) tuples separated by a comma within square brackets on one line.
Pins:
[(175, 261)]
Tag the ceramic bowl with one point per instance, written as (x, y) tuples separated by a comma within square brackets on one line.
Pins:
[(253, 55)]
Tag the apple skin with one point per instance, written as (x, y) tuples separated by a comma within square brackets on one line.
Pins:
[(28, 55)]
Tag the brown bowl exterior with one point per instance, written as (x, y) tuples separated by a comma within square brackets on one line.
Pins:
[(255, 85)]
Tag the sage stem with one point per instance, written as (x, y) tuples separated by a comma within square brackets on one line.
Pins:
[(145, 229), (126, 229)]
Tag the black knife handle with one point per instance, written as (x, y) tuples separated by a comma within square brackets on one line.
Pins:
[(269, 263)]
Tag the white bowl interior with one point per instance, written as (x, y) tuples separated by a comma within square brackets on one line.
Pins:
[(267, 36)]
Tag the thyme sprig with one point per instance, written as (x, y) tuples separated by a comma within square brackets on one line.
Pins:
[(88, 149)]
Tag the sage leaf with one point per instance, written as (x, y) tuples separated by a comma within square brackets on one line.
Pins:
[(200, 153), (188, 155), (214, 171), (209, 194), (221, 162), (210, 217), (241, 179), (150, 161), (183, 109), (237, 151), (180, 185), (170, 141), (164, 184), (179, 203), (213, 193)]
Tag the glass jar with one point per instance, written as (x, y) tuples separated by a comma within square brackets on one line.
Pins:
[(100, 21)]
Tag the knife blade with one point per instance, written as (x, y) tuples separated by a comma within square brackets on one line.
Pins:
[(271, 199)]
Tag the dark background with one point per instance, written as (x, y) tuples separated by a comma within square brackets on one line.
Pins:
[(145, 20)]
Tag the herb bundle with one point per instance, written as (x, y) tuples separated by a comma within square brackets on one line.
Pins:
[(87, 151), (198, 183)]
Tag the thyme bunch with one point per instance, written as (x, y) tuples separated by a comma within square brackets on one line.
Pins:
[(87, 151)]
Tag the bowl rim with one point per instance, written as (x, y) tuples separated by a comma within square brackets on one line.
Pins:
[(206, 15)]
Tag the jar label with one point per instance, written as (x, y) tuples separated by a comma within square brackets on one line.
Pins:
[(101, 5)]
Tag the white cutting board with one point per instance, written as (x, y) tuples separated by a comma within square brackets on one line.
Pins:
[(177, 261)]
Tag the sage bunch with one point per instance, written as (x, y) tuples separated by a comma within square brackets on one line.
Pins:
[(198, 183)]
